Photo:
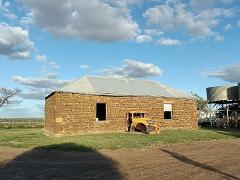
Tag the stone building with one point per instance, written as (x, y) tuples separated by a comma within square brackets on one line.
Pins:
[(100, 104)]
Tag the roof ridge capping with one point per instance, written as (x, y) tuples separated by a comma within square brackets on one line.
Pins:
[(122, 86), (108, 77)]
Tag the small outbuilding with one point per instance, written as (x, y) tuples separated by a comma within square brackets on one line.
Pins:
[(101, 104)]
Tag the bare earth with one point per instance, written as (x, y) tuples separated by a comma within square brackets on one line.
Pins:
[(201, 160)]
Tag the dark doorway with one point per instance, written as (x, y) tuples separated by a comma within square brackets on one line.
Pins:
[(101, 111)]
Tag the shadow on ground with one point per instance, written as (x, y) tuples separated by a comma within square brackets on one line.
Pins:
[(234, 132), (187, 160), (229, 132), (60, 161)]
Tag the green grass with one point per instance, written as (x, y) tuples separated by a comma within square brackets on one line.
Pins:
[(12, 123), (32, 138)]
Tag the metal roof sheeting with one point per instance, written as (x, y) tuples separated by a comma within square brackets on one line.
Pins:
[(113, 86)]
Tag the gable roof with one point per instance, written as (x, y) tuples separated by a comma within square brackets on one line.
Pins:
[(113, 86)]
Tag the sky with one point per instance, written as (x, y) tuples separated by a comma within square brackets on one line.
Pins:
[(187, 44)]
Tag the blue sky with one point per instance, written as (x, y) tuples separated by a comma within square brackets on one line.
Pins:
[(188, 45)]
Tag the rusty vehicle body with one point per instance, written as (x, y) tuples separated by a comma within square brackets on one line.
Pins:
[(138, 121)]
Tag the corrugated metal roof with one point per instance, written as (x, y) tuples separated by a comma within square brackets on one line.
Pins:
[(121, 87)]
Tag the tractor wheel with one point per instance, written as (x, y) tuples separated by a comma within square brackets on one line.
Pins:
[(141, 127)]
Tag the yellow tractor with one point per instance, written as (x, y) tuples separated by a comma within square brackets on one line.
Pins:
[(137, 121)]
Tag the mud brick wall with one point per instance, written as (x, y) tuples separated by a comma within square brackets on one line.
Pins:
[(49, 120), (71, 113)]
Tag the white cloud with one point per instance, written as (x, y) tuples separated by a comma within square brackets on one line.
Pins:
[(5, 8), (41, 58), (153, 32), (52, 75), (14, 42), (53, 65), (84, 66), (36, 94), (202, 4), (40, 87), (219, 39), (229, 73), (134, 69), (226, 1), (92, 20), (238, 23), (39, 82), (48, 65), (198, 5), (168, 42), (176, 16), (143, 38), (228, 27), (10, 15), (125, 3), (26, 20)]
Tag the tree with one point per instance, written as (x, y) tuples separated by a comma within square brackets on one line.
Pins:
[(202, 104), (7, 94)]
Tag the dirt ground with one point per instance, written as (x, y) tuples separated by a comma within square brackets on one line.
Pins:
[(201, 160)]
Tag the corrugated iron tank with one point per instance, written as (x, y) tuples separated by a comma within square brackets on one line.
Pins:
[(223, 93), (239, 90)]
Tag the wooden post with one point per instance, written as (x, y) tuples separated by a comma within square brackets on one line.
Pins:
[(227, 116)]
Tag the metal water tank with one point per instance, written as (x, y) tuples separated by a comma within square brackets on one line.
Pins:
[(238, 90), (223, 93)]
